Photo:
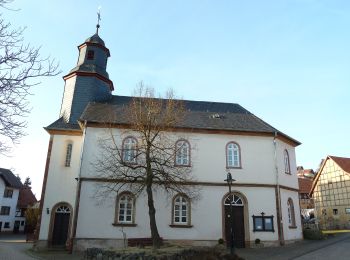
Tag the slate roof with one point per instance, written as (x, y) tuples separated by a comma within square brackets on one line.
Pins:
[(10, 179), (95, 39), (199, 115), (90, 68), (59, 124), (26, 197)]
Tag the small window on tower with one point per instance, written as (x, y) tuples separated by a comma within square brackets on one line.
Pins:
[(68, 154), (90, 55)]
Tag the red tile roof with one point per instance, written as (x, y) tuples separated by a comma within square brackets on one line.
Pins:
[(26, 197), (343, 163), (304, 185)]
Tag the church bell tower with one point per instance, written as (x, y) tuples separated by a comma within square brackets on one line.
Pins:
[(88, 81)]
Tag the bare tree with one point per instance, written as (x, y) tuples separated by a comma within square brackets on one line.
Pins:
[(147, 164), (20, 69)]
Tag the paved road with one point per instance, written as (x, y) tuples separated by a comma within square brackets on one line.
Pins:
[(339, 250), (14, 247), (337, 247), (334, 247)]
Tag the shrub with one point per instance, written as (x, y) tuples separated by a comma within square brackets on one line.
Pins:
[(220, 241), (313, 234)]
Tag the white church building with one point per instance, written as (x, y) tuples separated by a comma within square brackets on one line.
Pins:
[(226, 137)]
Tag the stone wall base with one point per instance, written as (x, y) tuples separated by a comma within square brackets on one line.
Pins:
[(179, 242), (270, 243), (80, 244), (40, 245)]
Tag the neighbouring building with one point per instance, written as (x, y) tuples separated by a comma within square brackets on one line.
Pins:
[(226, 137), (10, 186), (331, 193), (305, 179), (26, 199)]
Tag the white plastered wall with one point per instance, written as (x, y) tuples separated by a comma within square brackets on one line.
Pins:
[(61, 184), (209, 165), (8, 202), (97, 216), (291, 233), (208, 156), (289, 180)]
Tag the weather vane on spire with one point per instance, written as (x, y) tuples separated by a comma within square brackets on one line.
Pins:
[(98, 18)]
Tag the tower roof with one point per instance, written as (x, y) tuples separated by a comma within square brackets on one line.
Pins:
[(95, 39)]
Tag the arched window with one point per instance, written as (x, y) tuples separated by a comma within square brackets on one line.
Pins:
[(233, 155), (286, 162), (68, 154), (182, 155), (181, 210), (125, 208), (63, 209), (130, 150), (291, 214), (234, 200)]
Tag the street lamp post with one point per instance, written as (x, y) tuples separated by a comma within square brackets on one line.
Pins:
[(229, 181)]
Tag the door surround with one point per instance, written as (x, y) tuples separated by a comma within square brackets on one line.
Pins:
[(52, 220), (245, 215)]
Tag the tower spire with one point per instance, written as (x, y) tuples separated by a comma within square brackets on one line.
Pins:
[(98, 19)]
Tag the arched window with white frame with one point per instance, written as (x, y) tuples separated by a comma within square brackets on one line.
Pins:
[(181, 210), (130, 150), (286, 162), (125, 208), (291, 213), (233, 155), (182, 153)]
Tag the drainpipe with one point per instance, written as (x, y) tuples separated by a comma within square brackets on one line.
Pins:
[(278, 196), (77, 194)]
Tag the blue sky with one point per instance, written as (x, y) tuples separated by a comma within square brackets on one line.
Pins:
[(288, 62)]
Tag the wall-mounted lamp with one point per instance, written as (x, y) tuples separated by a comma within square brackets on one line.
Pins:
[(47, 210)]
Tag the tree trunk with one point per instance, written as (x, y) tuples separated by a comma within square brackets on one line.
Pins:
[(152, 217)]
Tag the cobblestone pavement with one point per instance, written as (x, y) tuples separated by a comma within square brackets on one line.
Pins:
[(333, 247)]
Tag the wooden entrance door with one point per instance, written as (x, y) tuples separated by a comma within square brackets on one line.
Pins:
[(61, 225), (238, 221)]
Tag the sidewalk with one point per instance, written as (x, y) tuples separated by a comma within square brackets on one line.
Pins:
[(14, 246), (291, 251)]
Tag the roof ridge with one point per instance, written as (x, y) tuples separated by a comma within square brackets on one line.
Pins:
[(188, 100)]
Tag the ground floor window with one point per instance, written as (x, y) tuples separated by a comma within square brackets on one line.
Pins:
[(181, 210), (263, 223), (125, 208), (7, 225)]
